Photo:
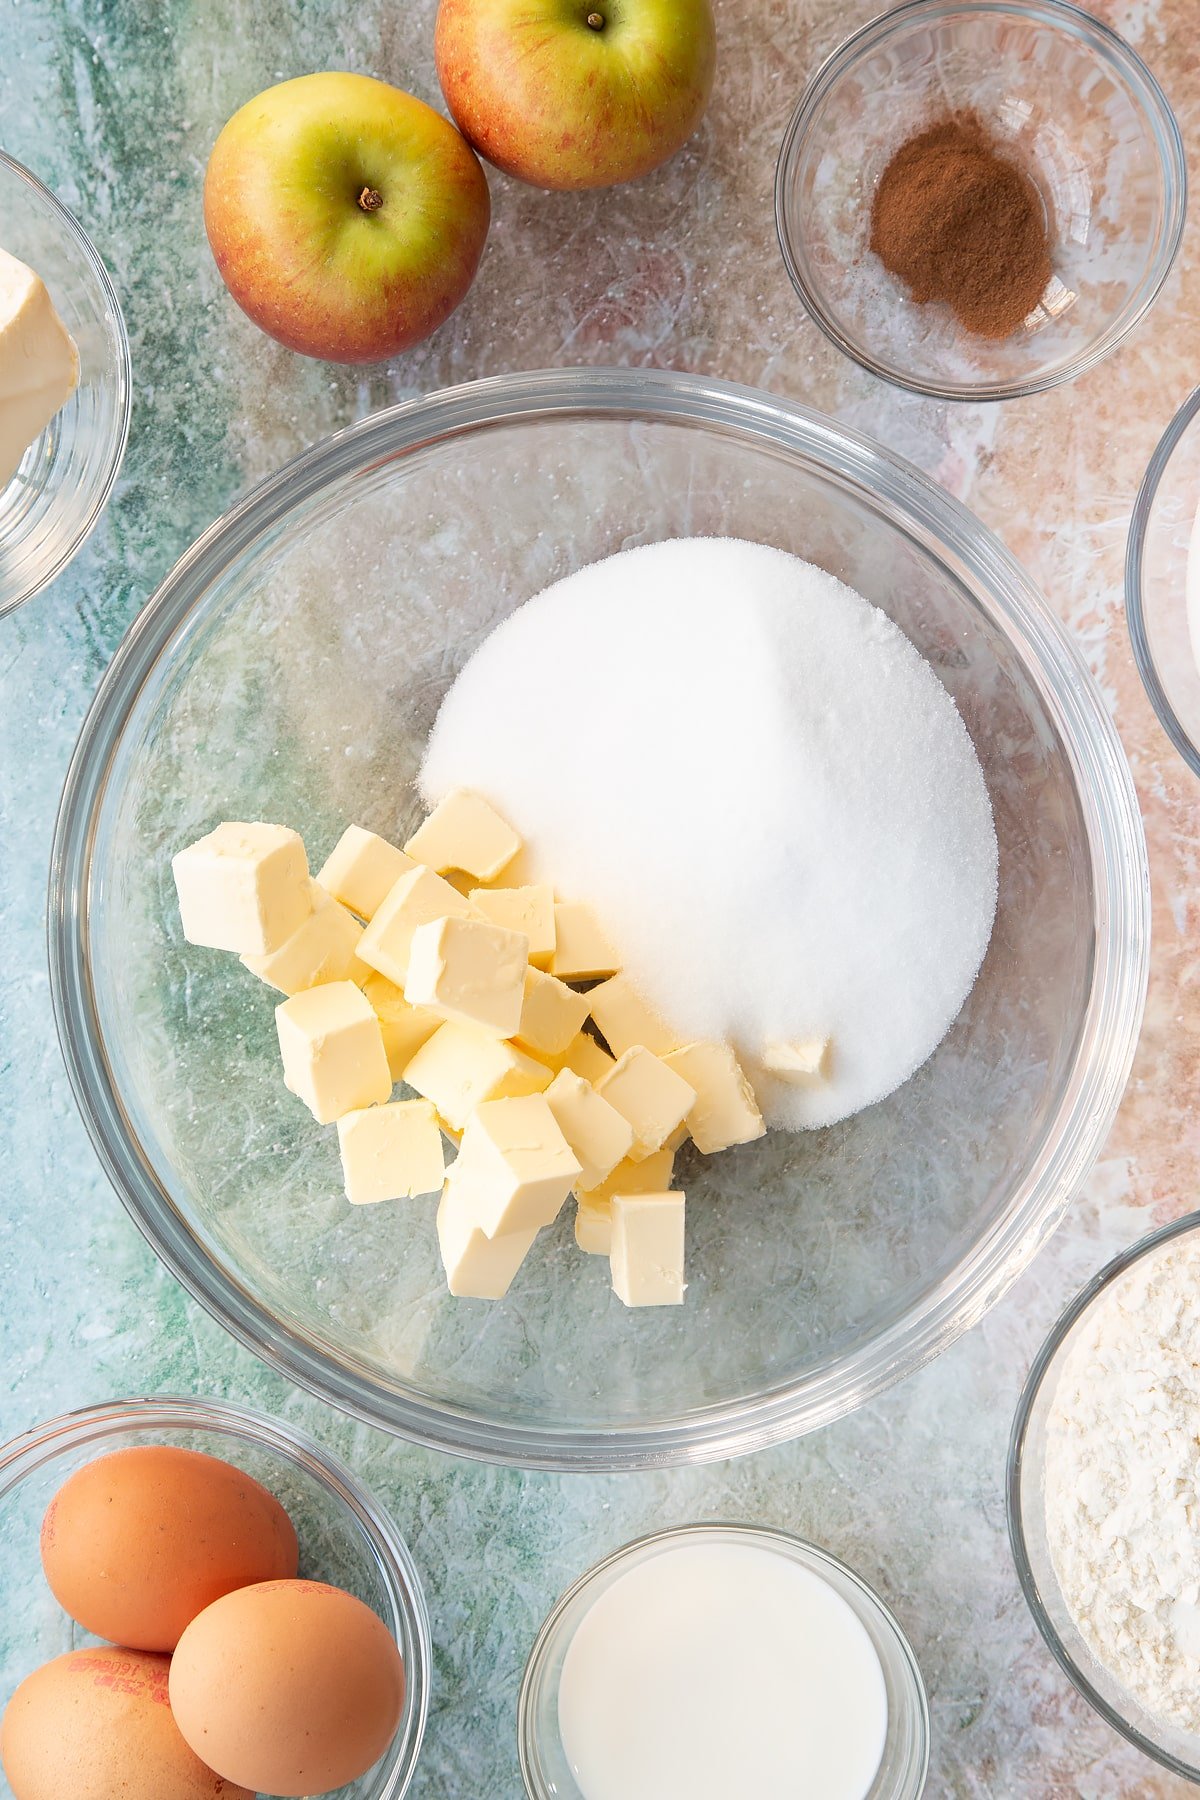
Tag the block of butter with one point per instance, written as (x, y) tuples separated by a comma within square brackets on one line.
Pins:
[(464, 832), (654, 1099), (726, 1112), (515, 1168), (332, 1049), (599, 1136), (244, 887), (646, 1258), (322, 948), (405, 1028), (391, 1152), (361, 870), (459, 1067), (418, 898), (529, 910), (39, 364), (593, 1214), (582, 952), (470, 972), (804, 1062), (583, 1056), (552, 1015), (477, 1267), (626, 1020)]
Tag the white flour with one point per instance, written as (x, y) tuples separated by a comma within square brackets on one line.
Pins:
[(1122, 1467)]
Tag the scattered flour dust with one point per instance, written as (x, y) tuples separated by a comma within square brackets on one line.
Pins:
[(761, 788), (1122, 1465)]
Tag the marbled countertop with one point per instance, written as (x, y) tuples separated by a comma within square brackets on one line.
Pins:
[(115, 103)]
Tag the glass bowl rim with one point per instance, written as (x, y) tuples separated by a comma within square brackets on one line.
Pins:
[(946, 531), (31, 1450), (1135, 559), (124, 394), (1060, 1331), (916, 1697), (1157, 109)]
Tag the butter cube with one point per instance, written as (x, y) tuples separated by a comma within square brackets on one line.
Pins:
[(804, 1063), (361, 870), (391, 1152), (593, 1225), (515, 1168), (585, 1057), (597, 1133), (529, 910), (626, 1020), (652, 1097), (581, 950), (323, 948), (405, 1028), (647, 1249), (552, 1014), (332, 1048), (418, 898), (464, 832), (652, 1175), (726, 1111), (469, 972), (39, 364), (458, 1068), (244, 887), (477, 1267)]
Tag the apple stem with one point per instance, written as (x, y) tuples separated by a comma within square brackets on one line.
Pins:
[(596, 21), (370, 200)]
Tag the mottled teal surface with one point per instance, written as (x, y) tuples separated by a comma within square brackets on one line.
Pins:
[(115, 104)]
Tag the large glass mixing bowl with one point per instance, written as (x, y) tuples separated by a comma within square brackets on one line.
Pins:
[(290, 668)]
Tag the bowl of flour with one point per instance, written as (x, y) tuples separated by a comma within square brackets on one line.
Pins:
[(1104, 1494)]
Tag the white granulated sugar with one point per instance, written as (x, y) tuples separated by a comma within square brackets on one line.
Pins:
[(760, 787), (1122, 1464)]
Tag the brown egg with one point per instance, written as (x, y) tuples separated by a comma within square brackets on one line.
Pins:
[(135, 1544), (97, 1725), (292, 1687)]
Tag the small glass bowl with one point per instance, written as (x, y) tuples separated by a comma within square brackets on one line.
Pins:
[(1176, 1749), (345, 1538), (52, 503), (1072, 104), (544, 1765), (1163, 535)]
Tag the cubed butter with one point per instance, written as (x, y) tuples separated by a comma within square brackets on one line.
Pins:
[(418, 898), (405, 1028), (477, 1267), (332, 1048), (584, 1056), (652, 1097), (39, 364), (458, 1068), (361, 870), (470, 972), (652, 1175), (805, 1062), (599, 1136), (515, 1168), (626, 1020), (529, 910), (582, 952), (391, 1152), (244, 887), (464, 832), (646, 1257), (726, 1111), (593, 1225), (552, 1014), (323, 948)]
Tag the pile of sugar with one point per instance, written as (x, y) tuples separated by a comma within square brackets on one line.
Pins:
[(760, 787)]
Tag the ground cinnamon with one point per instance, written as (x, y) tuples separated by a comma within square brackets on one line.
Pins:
[(957, 222)]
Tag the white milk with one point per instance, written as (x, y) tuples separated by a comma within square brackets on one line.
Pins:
[(718, 1670)]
